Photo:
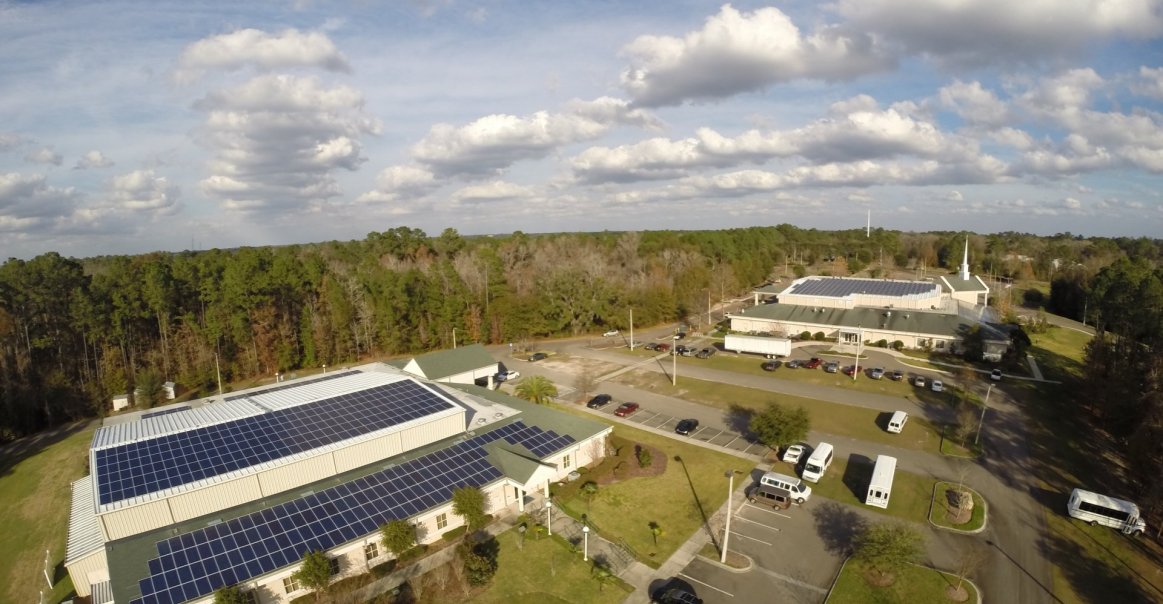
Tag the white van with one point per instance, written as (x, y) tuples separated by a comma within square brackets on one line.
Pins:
[(799, 491), (897, 422), (880, 487), (818, 463)]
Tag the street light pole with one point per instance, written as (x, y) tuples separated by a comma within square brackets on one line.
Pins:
[(727, 528), (981, 421), (549, 516), (631, 330), (859, 349), (673, 361), (586, 543), (454, 337)]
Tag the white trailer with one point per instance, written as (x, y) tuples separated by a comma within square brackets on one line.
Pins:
[(769, 347), (880, 487), (1107, 511)]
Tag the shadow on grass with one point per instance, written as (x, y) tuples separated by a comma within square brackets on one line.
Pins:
[(21, 449), (857, 474), (698, 502), (838, 526), (1092, 579)]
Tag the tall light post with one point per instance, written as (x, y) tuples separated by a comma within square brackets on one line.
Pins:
[(549, 516), (727, 528), (631, 330), (674, 360), (981, 421), (859, 349), (454, 337), (585, 543)]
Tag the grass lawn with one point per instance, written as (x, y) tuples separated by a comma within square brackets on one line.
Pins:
[(678, 500), (951, 447), (1059, 351), (544, 570), (941, 508), (34, 501), (915, 584), (846, 481), (832, 418)]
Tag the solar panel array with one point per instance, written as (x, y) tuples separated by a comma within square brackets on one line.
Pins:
[(148, 466), (194, 564), (838, 288), (164, 412), (322, 378)]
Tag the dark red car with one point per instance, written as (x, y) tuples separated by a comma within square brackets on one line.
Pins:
[(626, 409), (813, 363)]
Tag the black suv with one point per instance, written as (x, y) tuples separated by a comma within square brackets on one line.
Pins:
[(537, 356), (686, 426), (599, 401), (705, 353)]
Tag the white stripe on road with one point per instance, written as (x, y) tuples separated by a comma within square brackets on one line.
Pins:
[(686, 576), (767, 526), (643, 422), (751, 538), (731, 441), (750, 505), (787, 579)]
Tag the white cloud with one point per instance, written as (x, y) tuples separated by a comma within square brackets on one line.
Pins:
[(496, 190), (975, 104), (277, 139), (44, 155), (9, 141), (738, 52), (93, 159), (28, 203), (1150, 82), (493, 143), (142, 190), (396, 183), (978, 32), (261, 50)]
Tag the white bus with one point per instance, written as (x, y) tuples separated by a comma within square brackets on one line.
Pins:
[(1107, 511), (880, 487), (818, 462)]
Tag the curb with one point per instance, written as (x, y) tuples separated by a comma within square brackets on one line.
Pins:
[(832, 588), (984, 518), (728, 567)]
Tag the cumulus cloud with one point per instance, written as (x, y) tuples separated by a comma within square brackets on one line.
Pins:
[(973, 33), (493, 143), (976, 105), (1150, 82), (739, 52), (496, 190), (396, 183), (29, 203), (93, 159), (260, 50), (143, 191), (277, 139), (44, 155)]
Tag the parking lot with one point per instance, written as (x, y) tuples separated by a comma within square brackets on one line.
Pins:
[(796, 554), (722, 437)]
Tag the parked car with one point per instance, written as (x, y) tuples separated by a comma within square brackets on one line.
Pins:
[(771, 365), (919, 382), (850, 370), (676, 595), (626, 409), (776, 498), (599, 401), (662, 347), (706, 353), (793, 453), (686, 426), (995, 375), (680, 335), (610, 334), (651, 346), (938, 386), (897, 375), (876, 373), (813, 363), (537, 356), (793, 364), (831, 367), (506, 376)]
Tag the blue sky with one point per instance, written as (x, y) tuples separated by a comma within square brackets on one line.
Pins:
[(129, 127)]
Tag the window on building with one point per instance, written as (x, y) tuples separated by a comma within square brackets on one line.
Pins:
[(371, 551), (565, 462), (291, 585), (334, 566), (441, 521), (940, 344)]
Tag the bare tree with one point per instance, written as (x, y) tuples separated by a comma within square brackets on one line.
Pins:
[(585, 382), (970, 559)]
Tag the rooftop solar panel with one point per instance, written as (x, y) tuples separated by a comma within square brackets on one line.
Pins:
[(163, 412), (194, 564), (839, 288), (148, 466)]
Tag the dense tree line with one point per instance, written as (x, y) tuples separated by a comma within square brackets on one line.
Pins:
[(73, 332)]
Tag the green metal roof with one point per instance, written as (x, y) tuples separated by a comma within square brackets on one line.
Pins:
[(908, 321), (443, 363)]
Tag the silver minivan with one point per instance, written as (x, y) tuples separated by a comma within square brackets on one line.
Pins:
[(799, 491)]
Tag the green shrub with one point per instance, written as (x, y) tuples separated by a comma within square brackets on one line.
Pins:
[(454, 534), (898, 345), (806, 335), (818, 336), (381, 570), (882, 343), (412, 554), (583, 470), (644, 457)]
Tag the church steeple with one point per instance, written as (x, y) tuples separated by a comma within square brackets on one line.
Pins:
[(965, 261)]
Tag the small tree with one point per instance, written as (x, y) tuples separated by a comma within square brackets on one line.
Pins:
[(148, 388), (314, 572), (480, 560), (399, 536), (469, 504), (536, 389), (229, 595), (585, 382), (645, 458), (589, 490), (777, 425), (602, 575), (655, 531), (966, 422), (887, 548)]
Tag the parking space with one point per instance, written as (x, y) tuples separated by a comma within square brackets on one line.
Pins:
[(708, 434), (791, 561)]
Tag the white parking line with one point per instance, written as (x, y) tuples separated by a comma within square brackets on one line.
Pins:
[(788, 579), (700, 431), (731, 441), (643, 422), (762, 509), (766, 526), (686, 576), (751, 538)]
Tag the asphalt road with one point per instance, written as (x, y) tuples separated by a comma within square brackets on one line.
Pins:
[(1015, 569)]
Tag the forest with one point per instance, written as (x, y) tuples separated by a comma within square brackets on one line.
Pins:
[(74, 332)]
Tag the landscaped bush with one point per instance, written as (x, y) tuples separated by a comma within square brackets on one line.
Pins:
[(412, 554), (454, 534), (381, 570), (882, 343), (898, 345), (806, 335), (818, 336), (644, 457)]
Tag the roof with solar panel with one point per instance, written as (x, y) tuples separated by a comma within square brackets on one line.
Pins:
[(842, 287)]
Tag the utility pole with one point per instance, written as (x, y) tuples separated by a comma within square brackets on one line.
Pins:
[(631, 329), (708, 309), (673, 361), (454, 338), (218, 371), (727, 528)]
